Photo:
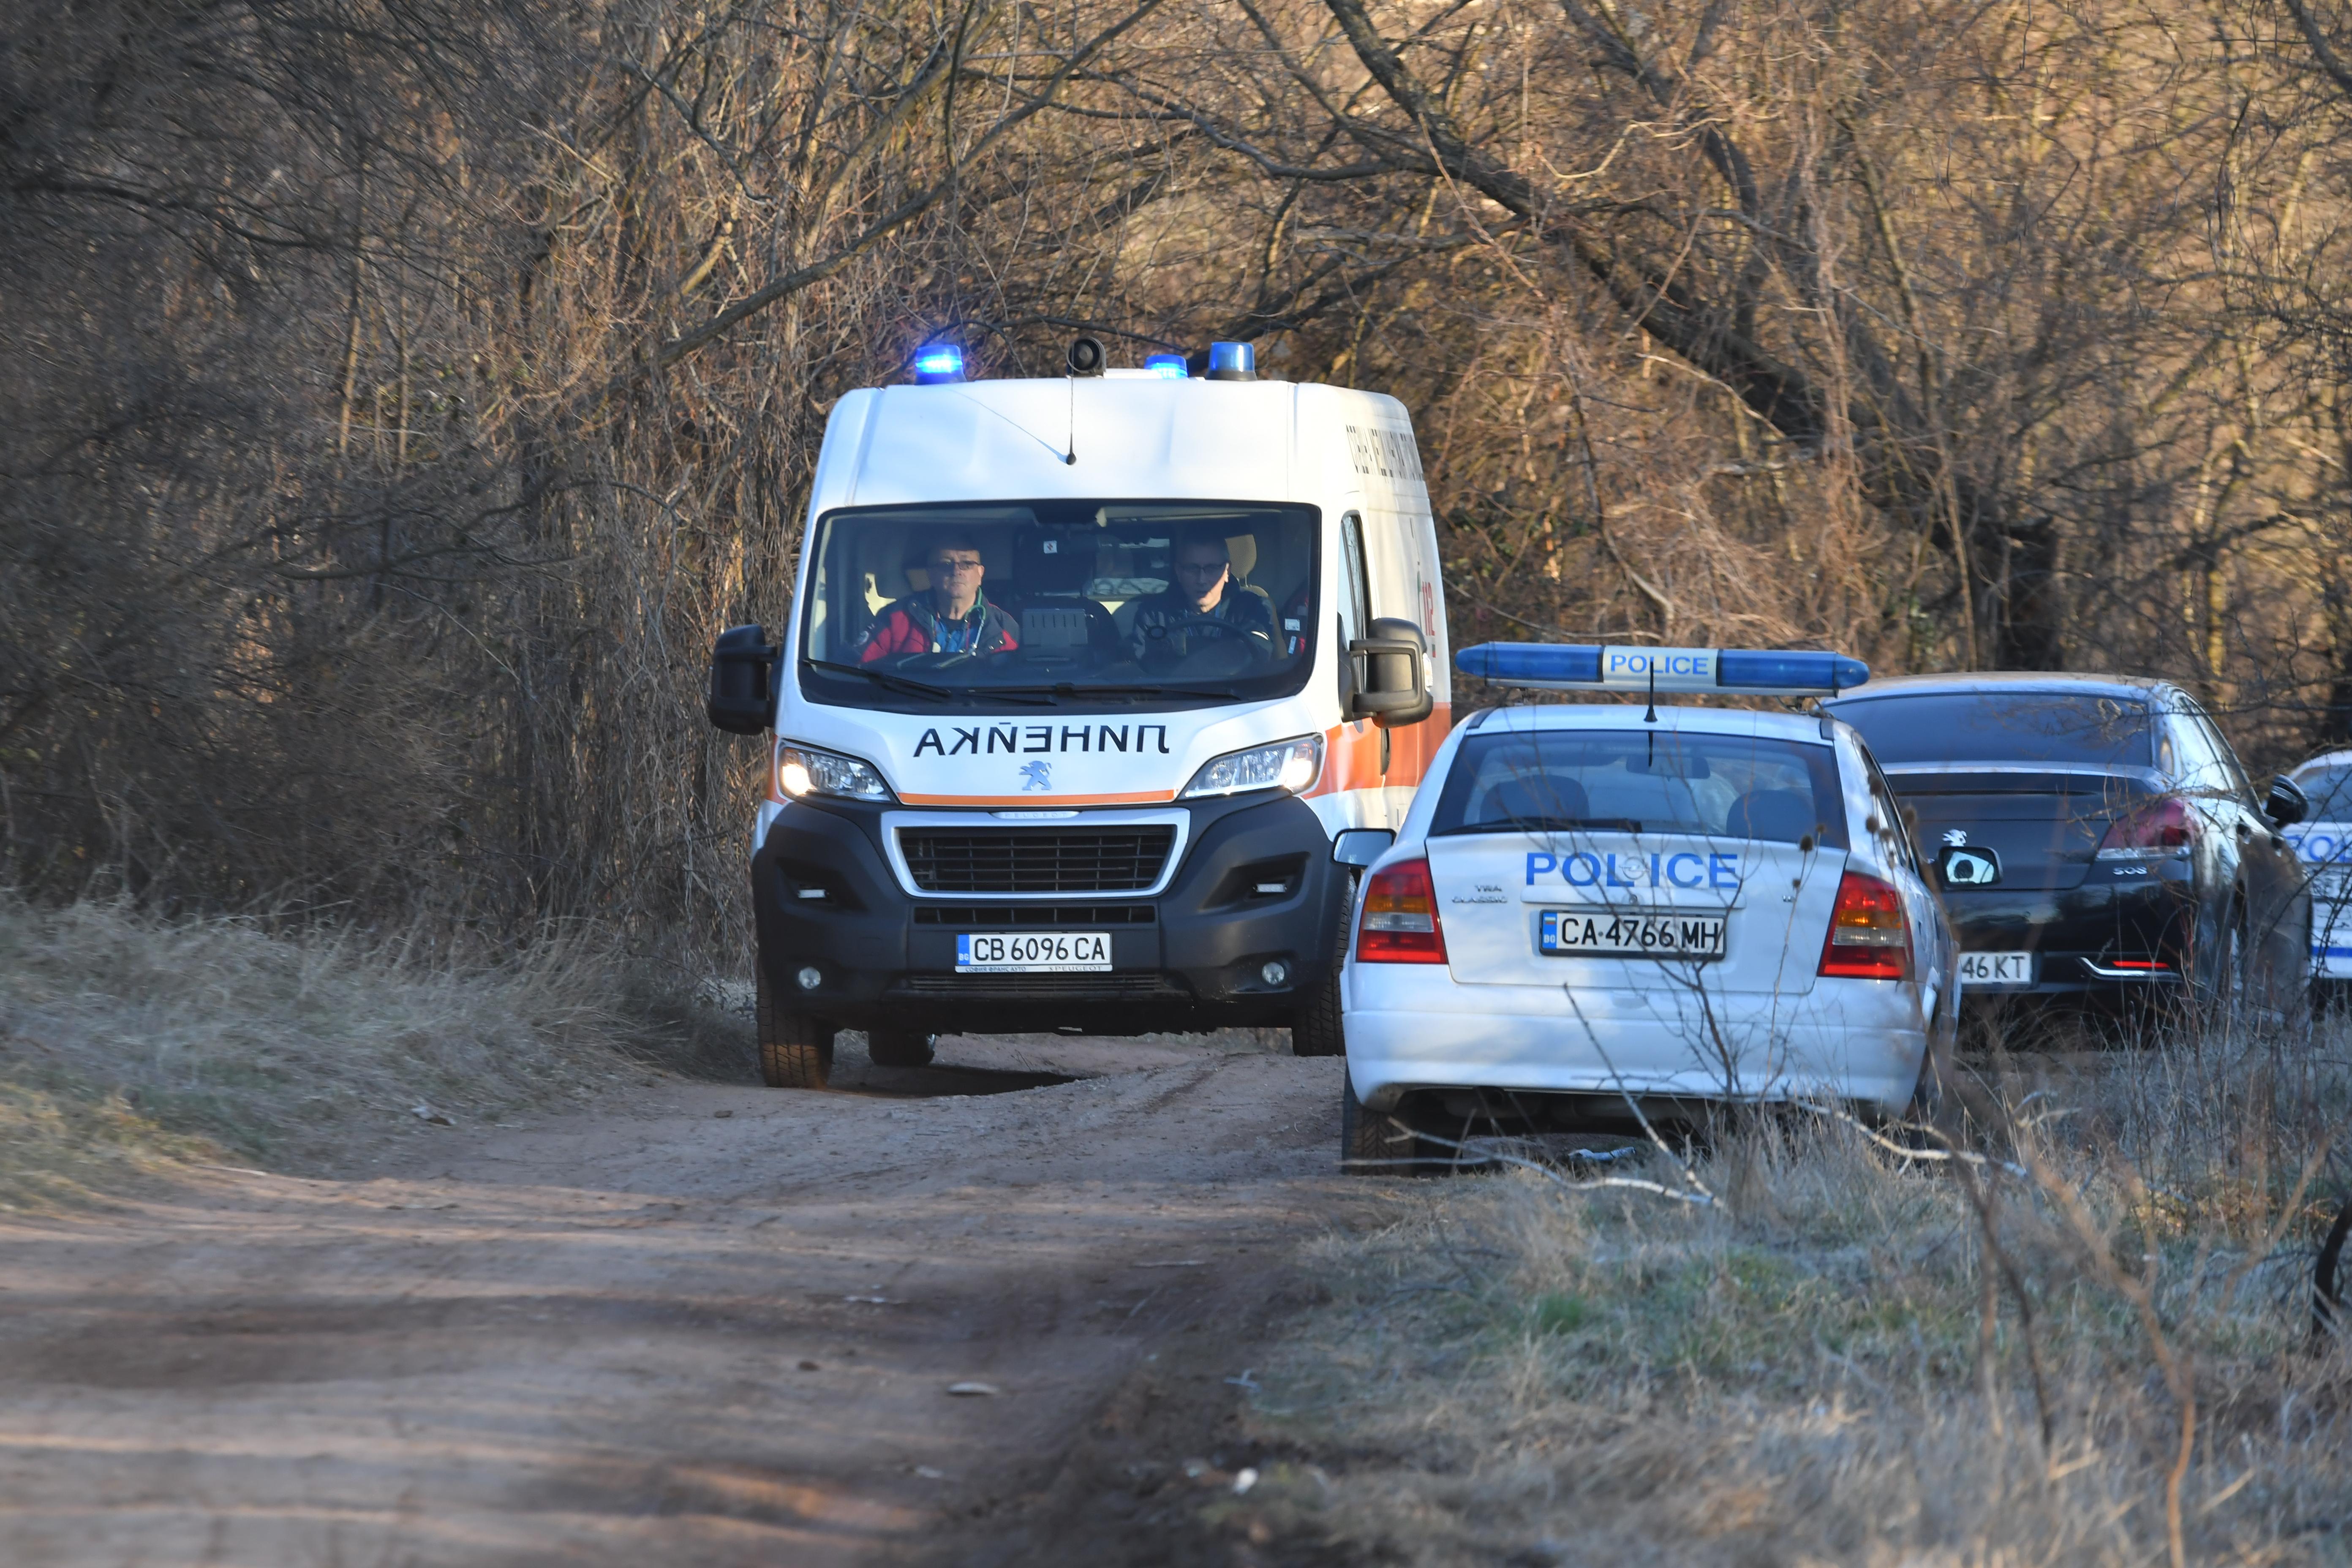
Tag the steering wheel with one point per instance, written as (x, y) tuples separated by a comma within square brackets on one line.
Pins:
[(1233, 649), (1217, 624)]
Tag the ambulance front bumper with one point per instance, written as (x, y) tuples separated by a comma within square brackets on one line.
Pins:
[(1209, 949), (1410, 1028)]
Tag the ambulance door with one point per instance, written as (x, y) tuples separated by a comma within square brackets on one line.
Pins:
[(1403, 549), (1355, 746)]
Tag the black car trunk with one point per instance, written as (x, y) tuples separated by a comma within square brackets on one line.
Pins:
[(2045, 826)]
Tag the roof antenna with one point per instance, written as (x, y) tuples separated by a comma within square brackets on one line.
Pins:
[(1652, 716), (1084, 356)]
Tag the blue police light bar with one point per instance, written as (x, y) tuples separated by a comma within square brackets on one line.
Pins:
[(1167, 367), (1749, 672), (938, 362)]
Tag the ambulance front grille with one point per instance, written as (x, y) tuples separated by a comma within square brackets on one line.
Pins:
[(1035, 860)]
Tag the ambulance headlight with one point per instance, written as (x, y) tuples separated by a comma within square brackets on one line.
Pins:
[(1290, 766), (804, 771)]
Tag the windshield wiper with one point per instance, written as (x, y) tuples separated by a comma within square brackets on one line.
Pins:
[(884, 677), (922, 687), (1072, 689)]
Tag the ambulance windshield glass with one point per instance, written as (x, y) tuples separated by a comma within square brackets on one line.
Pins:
[(1051, 603), (1652, 783)]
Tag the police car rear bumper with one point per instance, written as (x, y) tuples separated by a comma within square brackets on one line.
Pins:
[(1849, 1041), (1192, 957)]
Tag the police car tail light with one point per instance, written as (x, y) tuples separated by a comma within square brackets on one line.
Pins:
[(804, 771), (1869, 939), (2158, 828), (1400, 923)]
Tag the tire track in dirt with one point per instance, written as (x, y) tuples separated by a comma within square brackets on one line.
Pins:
[(709, 1325)]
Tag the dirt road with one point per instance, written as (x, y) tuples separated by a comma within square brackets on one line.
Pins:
[(705, 1324)]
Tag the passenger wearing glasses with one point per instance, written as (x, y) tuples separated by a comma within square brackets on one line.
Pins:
[(953, 616)]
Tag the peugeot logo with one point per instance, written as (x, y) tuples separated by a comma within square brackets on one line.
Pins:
[(1956, 836), (1037, 775)]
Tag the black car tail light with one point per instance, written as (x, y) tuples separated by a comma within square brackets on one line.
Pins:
[(2159, 827)]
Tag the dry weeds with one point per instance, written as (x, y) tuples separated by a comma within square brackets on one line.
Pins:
[(1510, 1373), (127, 1041)]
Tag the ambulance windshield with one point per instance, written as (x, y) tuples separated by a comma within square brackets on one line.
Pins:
[(1059, 602)]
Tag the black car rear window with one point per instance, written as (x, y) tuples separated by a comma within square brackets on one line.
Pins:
[(1999, 726), (1633, 781)]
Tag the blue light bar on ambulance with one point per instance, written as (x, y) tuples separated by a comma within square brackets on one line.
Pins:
[(938, 362), (1232, 361), (1553, 666), (1167, 367)]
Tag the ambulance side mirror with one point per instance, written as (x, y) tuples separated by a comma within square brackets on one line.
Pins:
[(743, 689), (1390, 671)]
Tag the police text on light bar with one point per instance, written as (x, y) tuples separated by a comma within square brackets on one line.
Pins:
[(1752, 672)]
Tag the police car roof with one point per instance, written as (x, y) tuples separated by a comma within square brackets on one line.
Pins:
[(2337, 759), (1631, 715)]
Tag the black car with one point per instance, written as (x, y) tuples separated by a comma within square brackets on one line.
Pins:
[(2094, 836)]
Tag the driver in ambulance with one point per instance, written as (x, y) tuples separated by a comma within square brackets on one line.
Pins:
[(950, 616), (1204, 604)]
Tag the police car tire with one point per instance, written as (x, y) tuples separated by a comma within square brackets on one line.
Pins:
[(1373, 1142), (795, 1050), (1315, 1030), (898, 1048)]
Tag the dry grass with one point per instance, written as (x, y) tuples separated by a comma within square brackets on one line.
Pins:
[(1807, 1372), (127, 1042)]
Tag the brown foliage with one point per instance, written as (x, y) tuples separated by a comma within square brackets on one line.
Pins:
[(398, 396)]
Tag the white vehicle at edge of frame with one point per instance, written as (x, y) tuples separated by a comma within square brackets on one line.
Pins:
[(2323, 847), (1671, 904)]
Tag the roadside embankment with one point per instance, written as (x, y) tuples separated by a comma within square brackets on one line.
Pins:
[(128, 1041), (2094, 1347)]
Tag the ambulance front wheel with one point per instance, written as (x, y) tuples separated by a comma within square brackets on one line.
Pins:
[(1315, 1031), (795, 1050)]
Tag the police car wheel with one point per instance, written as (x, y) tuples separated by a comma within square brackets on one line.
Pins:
[(898, 1048), (1315, 1030), (1374, 1142), (795, 1050)]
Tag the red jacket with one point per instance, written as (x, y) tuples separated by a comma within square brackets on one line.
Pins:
[(912, 625)]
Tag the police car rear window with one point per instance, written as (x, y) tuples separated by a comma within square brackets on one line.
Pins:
[(1999, 726), (1648, 782)]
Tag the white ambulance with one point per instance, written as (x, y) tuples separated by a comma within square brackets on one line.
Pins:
[(1095, 694)]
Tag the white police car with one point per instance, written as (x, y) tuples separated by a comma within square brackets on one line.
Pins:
[(2323, 845), (1589, 904)]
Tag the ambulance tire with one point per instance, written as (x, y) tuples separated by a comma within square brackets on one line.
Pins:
[(1316, 1029), (1375, 1143), (795, 1050), (898, 1048)]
